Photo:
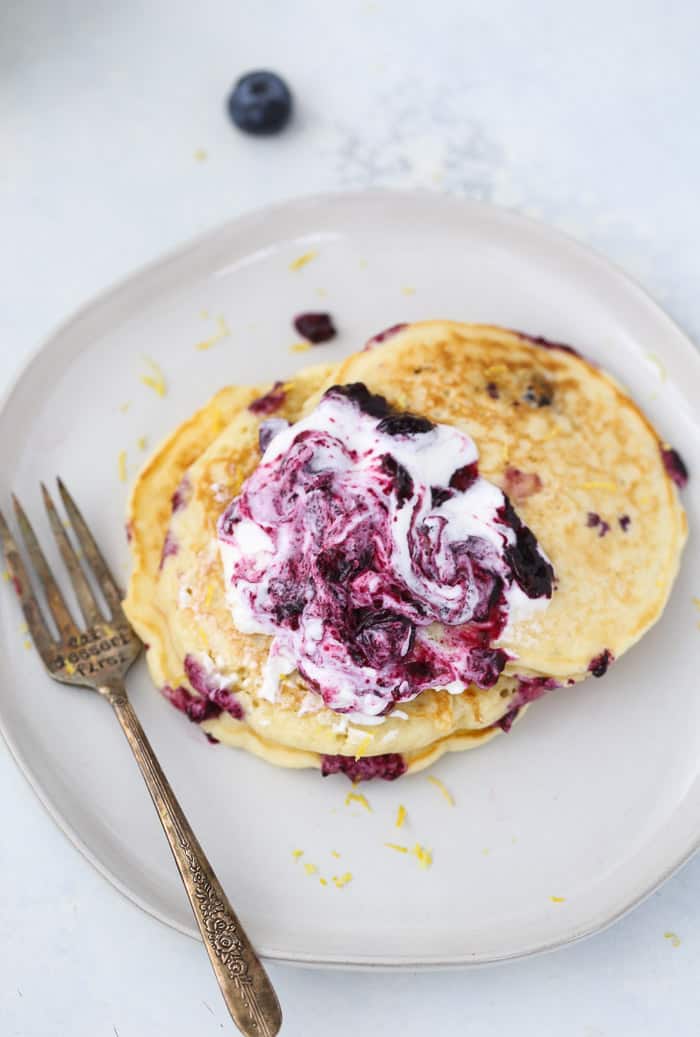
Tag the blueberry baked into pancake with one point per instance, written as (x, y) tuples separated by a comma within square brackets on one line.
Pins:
[(368, 566)]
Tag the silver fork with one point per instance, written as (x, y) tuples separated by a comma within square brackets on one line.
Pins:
[(98, 657)]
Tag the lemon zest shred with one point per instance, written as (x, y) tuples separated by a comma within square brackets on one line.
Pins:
[(342, 880), (296, 854), (400, 816), (424, 857), (395, 846), (363, 746), (156, 381), (407, 290), (310, 868), (300, 347), (6, 575), (121, 462), (442, 788), (28, 645), (357, 797), (334, 853), (141, 442), (494, 370), (203, 639), (696, 601), (674, 938), (324, 882), (599, 484), (223, 332), (69, 668), (200, 155), (208, 595), (557, 900), (302, 260), (125, 406)]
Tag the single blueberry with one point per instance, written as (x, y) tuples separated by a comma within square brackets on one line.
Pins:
[(315, 327), (599, 665), (260, 103), (404, 425), (359, 394)]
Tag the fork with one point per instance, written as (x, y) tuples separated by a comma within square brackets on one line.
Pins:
[(98, 656)]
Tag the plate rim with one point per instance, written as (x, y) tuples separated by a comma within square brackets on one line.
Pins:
[(554, 236)]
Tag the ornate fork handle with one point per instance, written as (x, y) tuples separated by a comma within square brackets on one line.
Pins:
[(244, 984)]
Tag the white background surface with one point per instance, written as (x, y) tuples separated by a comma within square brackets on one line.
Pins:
[(582, 113)]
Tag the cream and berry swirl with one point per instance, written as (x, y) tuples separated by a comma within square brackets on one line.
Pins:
[(381, 563)]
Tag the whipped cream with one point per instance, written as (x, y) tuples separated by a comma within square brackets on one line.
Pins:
[(381, 563)]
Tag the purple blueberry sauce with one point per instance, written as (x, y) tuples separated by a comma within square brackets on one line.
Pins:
[(341, 549), (268, 430), (195, 708), (464, 477), (208, 687), (382, 336), (624, 521), (520, 485), (507, 721), (599, 665), (675, 466), (531, 569), (438, 495), (593, 521), (315, 327), (170, 549), (539, 340), (270, 402), (180, 499), (389, 766), (532, 688)]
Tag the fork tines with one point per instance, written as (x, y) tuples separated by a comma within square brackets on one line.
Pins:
[(91, 611)]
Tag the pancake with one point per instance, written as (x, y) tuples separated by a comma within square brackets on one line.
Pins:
[(197, 657), (581, 463)]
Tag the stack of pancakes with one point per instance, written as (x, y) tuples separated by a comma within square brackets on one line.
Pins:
[(582, 466)]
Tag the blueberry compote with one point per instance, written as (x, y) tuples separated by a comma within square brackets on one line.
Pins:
[(369, 546), (388, 766)]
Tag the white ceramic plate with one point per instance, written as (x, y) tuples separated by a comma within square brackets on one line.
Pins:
[(594, 798)]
